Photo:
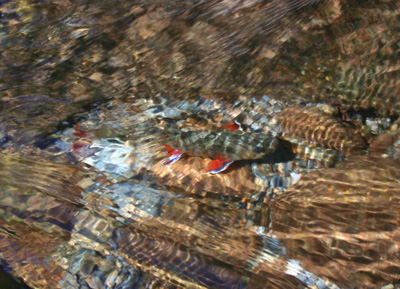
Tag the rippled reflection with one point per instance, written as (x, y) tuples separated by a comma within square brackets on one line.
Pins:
[(200, 144), (343, 222)]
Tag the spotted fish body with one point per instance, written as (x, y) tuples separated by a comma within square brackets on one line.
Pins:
[(307, 131), (232, 146)]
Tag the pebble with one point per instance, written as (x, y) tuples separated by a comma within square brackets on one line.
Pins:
[(389, 286)]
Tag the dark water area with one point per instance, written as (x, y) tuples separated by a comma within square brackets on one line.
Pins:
[(8, 281), (200, 144)]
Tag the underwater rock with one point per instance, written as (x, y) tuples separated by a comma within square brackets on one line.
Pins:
[(188, 173), (309, 123)]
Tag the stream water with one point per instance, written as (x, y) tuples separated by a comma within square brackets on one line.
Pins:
[(199, 144)]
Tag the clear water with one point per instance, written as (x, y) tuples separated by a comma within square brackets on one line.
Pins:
[(94, 95)]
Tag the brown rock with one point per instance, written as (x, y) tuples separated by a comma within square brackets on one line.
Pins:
[(343, 223), (187, 173), (312, 124)]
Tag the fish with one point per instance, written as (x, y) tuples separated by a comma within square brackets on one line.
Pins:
[(223, 147)]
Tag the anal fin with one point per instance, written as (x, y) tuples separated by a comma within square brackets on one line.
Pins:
[(218, 165), (232, 126)]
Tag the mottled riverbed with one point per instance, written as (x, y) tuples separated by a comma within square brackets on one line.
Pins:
[(115, 117)]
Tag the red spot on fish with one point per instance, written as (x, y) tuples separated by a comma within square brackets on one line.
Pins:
[(218, 165), (232, 126), (173, 154)]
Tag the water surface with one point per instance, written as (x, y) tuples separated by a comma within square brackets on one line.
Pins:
[(95, 94)]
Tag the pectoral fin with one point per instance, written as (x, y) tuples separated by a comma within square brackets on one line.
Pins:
[(173, 154)]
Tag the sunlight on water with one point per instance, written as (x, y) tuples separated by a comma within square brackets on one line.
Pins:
[(199, 144)]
